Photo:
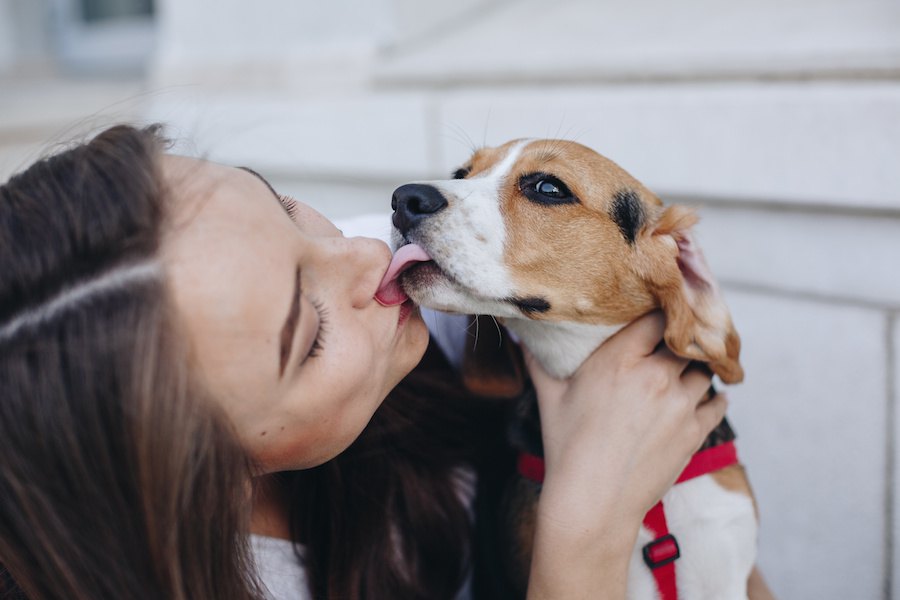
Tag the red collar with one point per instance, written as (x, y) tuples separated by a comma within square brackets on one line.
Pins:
[(661, 553), (703, 463)]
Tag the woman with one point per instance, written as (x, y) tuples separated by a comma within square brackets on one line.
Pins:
[(183, 354)]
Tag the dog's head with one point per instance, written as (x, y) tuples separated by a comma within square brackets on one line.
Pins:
[(550, 230)]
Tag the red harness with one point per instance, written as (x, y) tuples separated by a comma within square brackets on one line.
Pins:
[(660, 554)]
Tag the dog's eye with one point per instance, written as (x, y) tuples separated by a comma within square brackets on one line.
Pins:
[(545, 189), (461, 173)]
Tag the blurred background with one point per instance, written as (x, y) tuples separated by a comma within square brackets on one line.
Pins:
[(779, 120)]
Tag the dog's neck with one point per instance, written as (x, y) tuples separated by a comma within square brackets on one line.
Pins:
[(560, 347)]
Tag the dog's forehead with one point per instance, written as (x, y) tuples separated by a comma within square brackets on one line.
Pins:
[(489, 157), (540, 152), (578, 166), (549, 151)]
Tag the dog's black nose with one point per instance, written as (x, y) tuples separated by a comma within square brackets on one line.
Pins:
[(413, 202)]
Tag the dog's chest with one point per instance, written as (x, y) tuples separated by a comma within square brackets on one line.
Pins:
[(716, 531), (715, 528)]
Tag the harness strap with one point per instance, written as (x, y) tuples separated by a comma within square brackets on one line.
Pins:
[(660, 554), (709, 461)]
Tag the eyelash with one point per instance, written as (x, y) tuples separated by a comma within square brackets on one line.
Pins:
[(289, 204), (317, 346)]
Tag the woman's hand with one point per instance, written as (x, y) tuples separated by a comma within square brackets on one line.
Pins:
[(616, 436)]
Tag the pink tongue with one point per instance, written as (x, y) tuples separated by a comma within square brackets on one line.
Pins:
[(389, 292)]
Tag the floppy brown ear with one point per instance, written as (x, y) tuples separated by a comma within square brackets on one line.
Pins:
[(698, 324)]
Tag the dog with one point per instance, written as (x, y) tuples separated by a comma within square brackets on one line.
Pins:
[(565, 248)]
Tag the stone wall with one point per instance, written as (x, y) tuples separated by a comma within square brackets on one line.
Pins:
[(779, 121)]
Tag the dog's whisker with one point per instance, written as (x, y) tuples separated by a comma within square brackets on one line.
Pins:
[(460, 135), (578, 136), (557, 143), (499, 331), (470, 324), (484, 133), (558, 135)]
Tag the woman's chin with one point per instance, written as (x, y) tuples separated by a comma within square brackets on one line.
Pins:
[(411, 346)]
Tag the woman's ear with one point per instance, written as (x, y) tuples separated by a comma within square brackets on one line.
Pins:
[(698, 324)]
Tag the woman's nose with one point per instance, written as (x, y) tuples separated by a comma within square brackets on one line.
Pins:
[(358, 264)]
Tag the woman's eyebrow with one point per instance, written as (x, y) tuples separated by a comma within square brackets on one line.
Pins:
[(290, 327), (263, 179)]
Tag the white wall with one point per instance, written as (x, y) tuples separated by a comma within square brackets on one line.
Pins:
[(7, 46), (309, 45), (779, 120)]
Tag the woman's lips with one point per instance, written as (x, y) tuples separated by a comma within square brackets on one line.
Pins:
[(389, 292)]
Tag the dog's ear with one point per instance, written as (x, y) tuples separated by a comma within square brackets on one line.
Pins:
[(698, 324)]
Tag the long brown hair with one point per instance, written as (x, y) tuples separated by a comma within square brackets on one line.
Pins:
[(391, 517), (118, 479)]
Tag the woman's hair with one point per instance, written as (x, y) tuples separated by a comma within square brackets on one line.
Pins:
[(392, 517), (121, 478), (118, 477)]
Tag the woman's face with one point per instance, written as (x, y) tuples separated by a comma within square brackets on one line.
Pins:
[(280, 312)]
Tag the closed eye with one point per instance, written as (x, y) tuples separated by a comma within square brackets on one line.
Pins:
[(317, 345), (289, 204)]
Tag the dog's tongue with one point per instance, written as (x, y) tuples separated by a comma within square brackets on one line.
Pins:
[(389, 292)]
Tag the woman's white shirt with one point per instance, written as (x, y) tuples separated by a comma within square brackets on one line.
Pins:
[(279, 568)]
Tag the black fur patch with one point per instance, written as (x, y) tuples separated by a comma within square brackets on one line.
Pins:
[(531, 305), (628, 213)]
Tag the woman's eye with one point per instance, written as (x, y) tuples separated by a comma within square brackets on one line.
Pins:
[(290, 205)]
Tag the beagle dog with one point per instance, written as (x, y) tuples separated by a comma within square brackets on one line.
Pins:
[(565, 248)]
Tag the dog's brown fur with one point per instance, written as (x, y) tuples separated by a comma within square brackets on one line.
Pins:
[(625, 280)]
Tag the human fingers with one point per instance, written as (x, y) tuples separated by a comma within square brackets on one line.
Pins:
[(696, 379), (710, 413), (674, 363)]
